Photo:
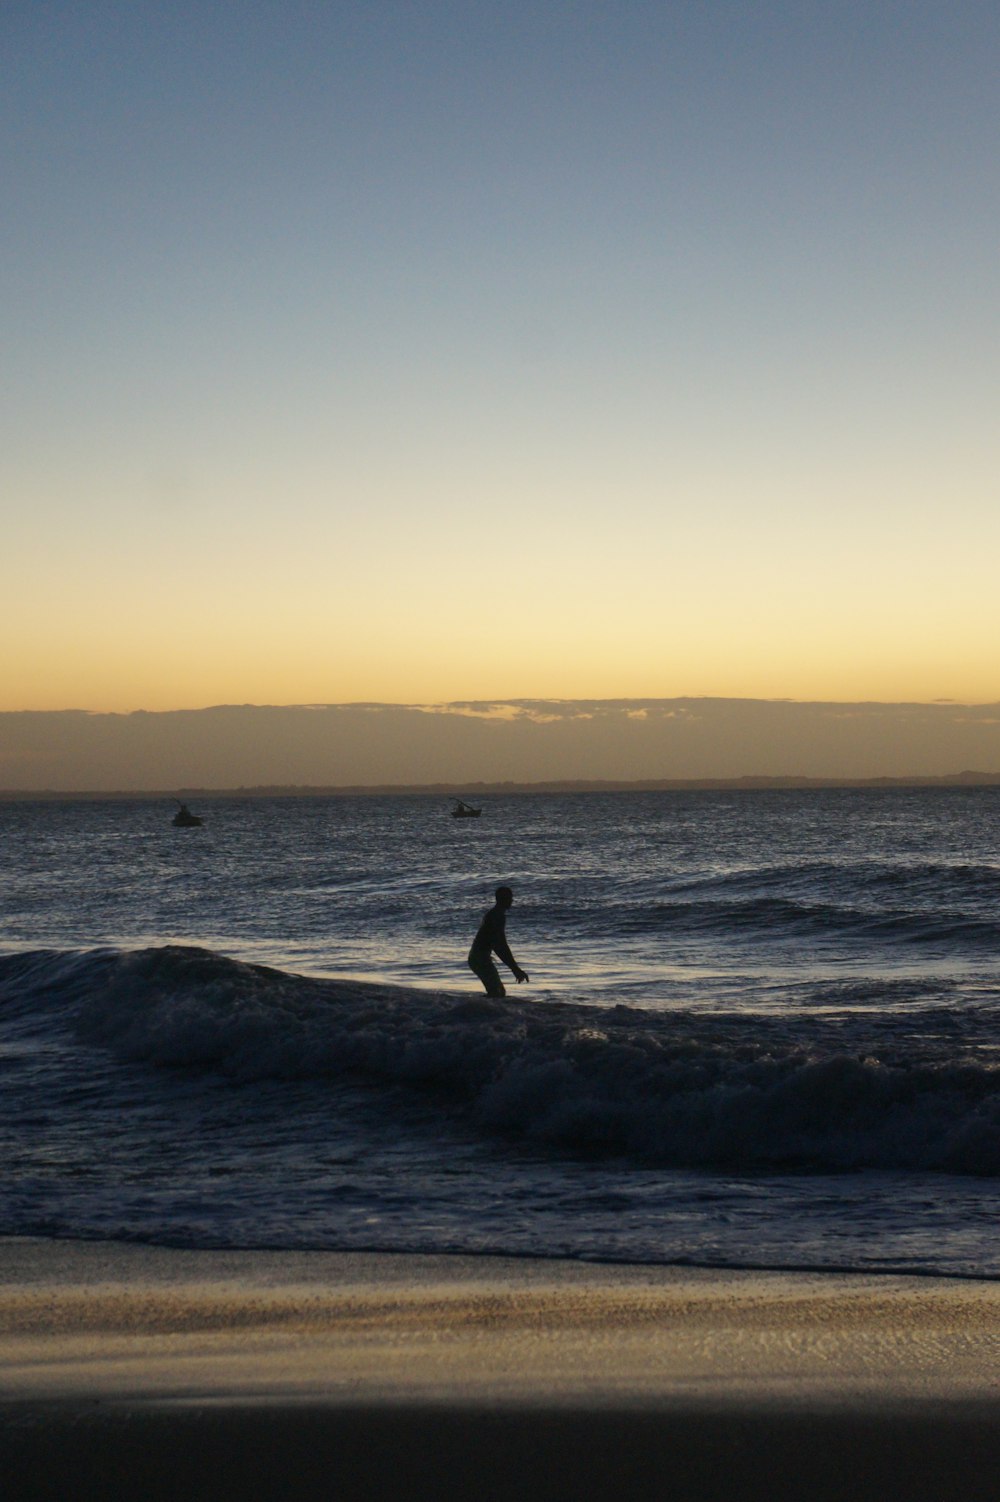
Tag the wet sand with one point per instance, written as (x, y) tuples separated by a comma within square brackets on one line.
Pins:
[(133, 1371)]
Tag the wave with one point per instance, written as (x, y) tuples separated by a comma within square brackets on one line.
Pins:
[(935, 880), (932, 903), (777, 918), (658, 1087), (33, 980)]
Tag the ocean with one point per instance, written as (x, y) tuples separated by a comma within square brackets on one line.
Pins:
[(761, 1029)]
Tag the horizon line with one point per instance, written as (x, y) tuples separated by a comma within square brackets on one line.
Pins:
[(748, 783)]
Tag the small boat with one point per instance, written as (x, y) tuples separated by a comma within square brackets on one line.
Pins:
[(185, 819), (463, 810)]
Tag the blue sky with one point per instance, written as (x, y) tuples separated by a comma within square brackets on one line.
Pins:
[(480, 351)]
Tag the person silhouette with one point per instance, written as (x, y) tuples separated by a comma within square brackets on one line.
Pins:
[(491, 938)]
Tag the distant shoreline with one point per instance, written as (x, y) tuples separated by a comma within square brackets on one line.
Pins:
[(504, 789)]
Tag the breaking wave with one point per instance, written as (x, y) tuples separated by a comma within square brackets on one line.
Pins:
[(667, 1087)]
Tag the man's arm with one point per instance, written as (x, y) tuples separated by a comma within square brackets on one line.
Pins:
[(502, 949)]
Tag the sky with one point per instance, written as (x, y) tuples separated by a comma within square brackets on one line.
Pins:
[(418, 352), (520, 741)]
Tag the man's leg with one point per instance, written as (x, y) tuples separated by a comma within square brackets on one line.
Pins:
[(488, 973)]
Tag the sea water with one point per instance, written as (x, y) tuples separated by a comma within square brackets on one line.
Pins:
[(761, 1029)]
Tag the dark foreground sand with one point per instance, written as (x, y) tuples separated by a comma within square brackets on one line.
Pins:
[(146, 1373)]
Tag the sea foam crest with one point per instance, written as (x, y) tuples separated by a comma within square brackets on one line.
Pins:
[(662, 1087)]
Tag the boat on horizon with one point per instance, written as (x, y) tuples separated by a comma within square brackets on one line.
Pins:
[(463, 810), (185, 819)]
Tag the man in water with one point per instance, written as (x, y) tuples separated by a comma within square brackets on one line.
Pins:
[(492, 939)]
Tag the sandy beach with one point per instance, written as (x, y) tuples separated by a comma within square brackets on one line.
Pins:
[(138, 1371)]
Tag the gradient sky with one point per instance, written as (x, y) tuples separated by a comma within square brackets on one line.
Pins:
[(426, 351)]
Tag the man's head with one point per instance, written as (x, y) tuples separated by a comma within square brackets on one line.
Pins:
[(504, 896)]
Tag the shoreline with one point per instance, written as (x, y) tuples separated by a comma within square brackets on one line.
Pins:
[(121, 1320), (299, 1374)]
